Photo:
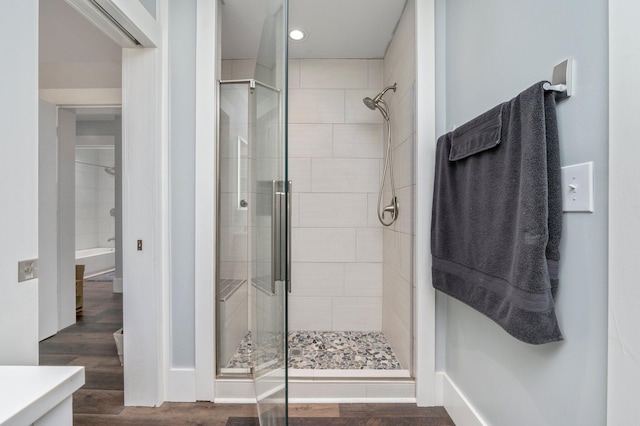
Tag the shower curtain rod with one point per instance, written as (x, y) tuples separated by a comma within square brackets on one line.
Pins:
[(93, 164)]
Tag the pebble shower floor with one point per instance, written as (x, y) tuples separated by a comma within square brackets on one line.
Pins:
[(330, 350)]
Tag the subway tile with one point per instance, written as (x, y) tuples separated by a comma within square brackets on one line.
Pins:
[(356, 111), (295, 209), (358, 141), (317, 279), (234, 245), (230, 212), (357, 314), (403, 164), (323, 245), (316, 106), (300, 174), (369, 245), (226, 70), (310, 140), (396, 293), (363, 279), (344, 175), (372, 210), (376, 72), (404, 223), (398, 253), (333, 210), (401, 51), (310, 313), (403, 116), (243, 68), (398, 336), (334, 73), (233, 270), (294, 73)]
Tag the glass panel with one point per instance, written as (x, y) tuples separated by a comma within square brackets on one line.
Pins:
[(233, 237), (267, 177), (269, 329)]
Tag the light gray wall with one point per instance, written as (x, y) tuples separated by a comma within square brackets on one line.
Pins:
[(150, 5), (494, 50), (182, 63)]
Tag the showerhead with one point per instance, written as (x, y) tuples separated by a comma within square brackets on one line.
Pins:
[(110, 171), (370, 103), (378, 103)]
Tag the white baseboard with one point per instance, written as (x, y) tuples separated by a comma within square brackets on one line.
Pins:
[(324, 391), (181, 385), (457, 405), (117, 285), (234, 391)]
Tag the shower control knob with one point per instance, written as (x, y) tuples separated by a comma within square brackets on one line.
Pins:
[(243, 203)]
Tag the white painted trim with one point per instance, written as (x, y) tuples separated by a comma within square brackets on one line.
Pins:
[(323, 391), (457, 405), (142, 218), (235, 391), (624, 177), (162, 16), (94, 97), (181, 385), (131, 15), (424, 321), (205, 199)]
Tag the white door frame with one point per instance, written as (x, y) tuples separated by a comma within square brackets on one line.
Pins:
[(144, 192)]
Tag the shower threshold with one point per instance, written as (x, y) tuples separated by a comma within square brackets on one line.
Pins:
[(329, 354)]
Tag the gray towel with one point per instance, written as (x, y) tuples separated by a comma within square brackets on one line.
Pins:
[(497, 215)]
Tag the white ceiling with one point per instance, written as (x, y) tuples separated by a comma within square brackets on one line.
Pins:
[(336, 28)]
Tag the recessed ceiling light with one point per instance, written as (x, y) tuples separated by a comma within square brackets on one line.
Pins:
[(297, 34)]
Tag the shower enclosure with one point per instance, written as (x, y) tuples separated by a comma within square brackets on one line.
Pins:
[(350, 309), (253, 223)]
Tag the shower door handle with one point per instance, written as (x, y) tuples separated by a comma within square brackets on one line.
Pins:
[(278, 235), (288, 248), (281, 234)]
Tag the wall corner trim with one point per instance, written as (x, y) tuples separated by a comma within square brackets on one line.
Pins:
[(181, 385), (457, 405)]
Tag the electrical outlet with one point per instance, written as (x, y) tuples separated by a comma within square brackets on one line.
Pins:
[(27, 270)]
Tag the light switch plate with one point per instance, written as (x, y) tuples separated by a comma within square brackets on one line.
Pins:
[(577, 188), (27, 270)]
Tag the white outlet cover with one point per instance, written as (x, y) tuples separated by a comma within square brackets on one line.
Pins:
[(577, 188)]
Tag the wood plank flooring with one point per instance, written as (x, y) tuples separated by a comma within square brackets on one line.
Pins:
[(100, 401)]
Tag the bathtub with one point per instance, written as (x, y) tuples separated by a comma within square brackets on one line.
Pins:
[(96, 260)]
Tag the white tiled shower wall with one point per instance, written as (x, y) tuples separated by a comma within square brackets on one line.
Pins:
[(95, 197), (397, 300), (335, 159)]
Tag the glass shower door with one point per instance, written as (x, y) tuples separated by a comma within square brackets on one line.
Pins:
[(269, 282), (269, 227)]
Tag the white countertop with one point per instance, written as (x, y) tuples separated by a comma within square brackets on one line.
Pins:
[(29, 392)]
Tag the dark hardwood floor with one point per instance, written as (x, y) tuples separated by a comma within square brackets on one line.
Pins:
[(100, 401)]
